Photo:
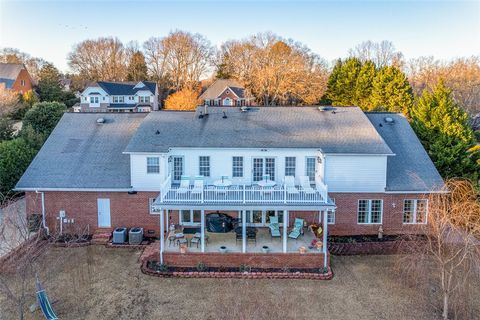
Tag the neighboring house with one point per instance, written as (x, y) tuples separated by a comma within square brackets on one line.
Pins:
[(15, 77), (226, 93), (104, 96), (354, 172)]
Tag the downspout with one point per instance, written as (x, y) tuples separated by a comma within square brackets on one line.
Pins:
[(43, 212)]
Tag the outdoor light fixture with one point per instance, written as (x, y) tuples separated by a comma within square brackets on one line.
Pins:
[(319, 159)]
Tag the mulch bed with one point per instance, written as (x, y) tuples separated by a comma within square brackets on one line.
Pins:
[(369, 244), (142, 245), (155, 269)]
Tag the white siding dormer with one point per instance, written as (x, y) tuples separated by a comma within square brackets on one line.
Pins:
[(94, 96), (355, 173)]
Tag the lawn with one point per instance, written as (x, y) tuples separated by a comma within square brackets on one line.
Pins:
[(98, 282)]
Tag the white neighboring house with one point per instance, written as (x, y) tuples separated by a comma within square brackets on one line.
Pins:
[(104, 96)]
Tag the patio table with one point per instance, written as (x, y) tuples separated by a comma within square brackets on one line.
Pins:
[(266, 183), (222, 183)]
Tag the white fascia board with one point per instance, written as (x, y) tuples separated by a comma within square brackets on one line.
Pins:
[(360, 154), (76, 189)]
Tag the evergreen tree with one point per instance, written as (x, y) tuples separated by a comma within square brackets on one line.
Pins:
[(391, 91), (49, 88), (137, 68), (43, 116), (364, 86), (442, 127), (342, 82), (15, 156)]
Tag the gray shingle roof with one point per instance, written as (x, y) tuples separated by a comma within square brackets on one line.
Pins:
[(411, 168), (9, 73), (83, 154), (347, 130), (125, 88), (217, 88)]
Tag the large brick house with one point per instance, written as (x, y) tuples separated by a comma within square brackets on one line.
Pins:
[(226, 93), (15, 77), (352, 172), (105, 96)]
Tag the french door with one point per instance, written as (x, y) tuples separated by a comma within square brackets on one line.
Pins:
[(177, 168), (261, 218), (263, 166)]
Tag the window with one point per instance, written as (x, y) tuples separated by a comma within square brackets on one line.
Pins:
[(22, 82), (237, 167), (370, 211), (118, 99), (190, 217), (310, 168), (415, 211), (204, 166), (153, 165), (207, 102), (290, 166), (331, 217), (143, 99), (93, 99), (263, 166), (150, 205)]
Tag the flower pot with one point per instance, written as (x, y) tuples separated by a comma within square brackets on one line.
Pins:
[(223, 249), (183, 248), (302, 249), (265, 249)]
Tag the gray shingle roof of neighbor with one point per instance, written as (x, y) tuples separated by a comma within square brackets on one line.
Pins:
[(125, 88), (9, 73), (217, 88), (411, 169), (338, 130), (80, 153)]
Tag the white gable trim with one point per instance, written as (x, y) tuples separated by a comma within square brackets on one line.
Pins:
[(226, 88)]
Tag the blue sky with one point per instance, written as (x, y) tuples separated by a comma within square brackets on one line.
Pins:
[(49, 29)]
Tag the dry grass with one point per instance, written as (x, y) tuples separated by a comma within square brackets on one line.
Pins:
[(107, 283)]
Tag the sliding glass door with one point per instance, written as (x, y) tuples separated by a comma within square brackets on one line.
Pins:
[(263, 166)]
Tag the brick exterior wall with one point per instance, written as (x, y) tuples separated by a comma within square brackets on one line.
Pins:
[(133, 211), (17, 85)]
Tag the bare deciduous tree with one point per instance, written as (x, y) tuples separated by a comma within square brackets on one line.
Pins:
[(100, 59), (381, 53), (450, 255), (33, 64), (8, 101), (462, 75), (275, 70)]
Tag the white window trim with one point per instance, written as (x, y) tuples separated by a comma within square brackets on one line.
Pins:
[(369, 212), (150, 204), (152, 166), (294, 166), (332, 212), (200, 166), (180, 218), (243, 166), (315, 168), (415, 211)]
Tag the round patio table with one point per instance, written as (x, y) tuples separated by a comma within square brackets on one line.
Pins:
[(225, 183), (266, 183)]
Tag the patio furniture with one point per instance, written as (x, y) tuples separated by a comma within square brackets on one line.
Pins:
[(252, 235), (266, 183), (198, 185), (290, 185), (274, 227), (184, 184), (171, 238), (182, 241), (297, 229), (44, 302), (305, 184), (223, 182)]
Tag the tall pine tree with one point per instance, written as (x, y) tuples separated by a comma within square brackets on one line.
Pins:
[(49, 88), (364, 86), (391, 91), (137, 68), (442, 127), (342, 82)]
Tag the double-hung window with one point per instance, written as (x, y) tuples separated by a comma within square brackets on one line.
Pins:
[(290, 164), (370, 211), (237, 167), (144, 99), (415, 211), (118, 99), (93, 99), (153, 165), (204, 166)]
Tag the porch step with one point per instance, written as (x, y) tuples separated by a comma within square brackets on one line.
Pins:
[(101, 236)]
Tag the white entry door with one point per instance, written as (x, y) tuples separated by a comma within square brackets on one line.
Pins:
[(103, 206)]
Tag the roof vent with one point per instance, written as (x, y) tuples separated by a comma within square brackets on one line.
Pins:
[(244, 109), (157, 132), (389, 120), (324, 108), (224, 115), (100, 120), (200, 116)]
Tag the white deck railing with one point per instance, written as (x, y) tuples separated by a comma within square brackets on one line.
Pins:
[(241, 194)]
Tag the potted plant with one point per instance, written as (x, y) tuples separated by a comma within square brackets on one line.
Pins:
[(265, 249), (302, 249), (223, 249), (183, 248)]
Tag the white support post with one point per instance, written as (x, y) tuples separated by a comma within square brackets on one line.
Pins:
[(202, 221), (325, 234), (244, 231), (162, 236), (285, 227), (167, 220)]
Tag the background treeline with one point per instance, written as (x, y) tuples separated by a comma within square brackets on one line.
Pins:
[(441, 99)]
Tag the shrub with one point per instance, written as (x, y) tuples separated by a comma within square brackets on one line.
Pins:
[(44, 116), (201, 267), (245, 268)]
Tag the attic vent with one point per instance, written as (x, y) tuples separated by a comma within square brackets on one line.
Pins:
[(244, 109), (326, 108), (100, 120), (389, 120), (224, 115)]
